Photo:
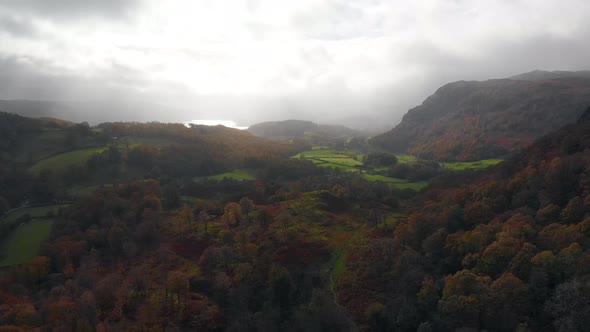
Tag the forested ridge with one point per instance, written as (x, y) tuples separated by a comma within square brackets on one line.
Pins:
[(154, 244), (506, 251)]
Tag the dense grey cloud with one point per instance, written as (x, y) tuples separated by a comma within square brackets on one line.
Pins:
[(17, 27), (70, 9), (356, 62)]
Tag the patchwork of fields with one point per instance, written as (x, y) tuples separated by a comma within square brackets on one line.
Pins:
[(350, 161)]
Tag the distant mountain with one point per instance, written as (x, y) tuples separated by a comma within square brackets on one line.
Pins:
[(93, 112), (477, 120), (298, 129)]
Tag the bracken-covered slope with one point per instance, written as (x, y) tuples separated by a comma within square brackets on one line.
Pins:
[(477, 120)]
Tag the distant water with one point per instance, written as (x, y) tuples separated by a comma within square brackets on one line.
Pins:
[(226, 123)]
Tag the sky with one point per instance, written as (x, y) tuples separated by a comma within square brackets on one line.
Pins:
[(362, 63)]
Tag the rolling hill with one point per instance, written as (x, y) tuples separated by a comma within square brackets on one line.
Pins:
[(93, 112), (471, 120), (298, 129)]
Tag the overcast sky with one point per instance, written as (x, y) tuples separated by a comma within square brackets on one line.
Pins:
[(350, 61)]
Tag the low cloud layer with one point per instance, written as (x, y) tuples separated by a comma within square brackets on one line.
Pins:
[(357, 62)]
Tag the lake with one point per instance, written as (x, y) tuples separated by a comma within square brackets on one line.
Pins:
[(226, 123)]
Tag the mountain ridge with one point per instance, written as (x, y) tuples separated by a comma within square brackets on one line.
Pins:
[(470, 120), (536, 75)]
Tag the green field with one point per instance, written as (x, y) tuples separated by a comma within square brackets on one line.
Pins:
[(396, 182), (23, 244), (326, 157), (320, 152), (348, 161), (63, 160), (411, 185), (405, 158), (338, 166), (467, 165), (238, 174), (382, 178)]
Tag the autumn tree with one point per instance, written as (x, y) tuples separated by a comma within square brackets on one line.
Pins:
[(247, 206), (177, 284), (521, 265), (508, 303), (569, 305), (38, 268), (265, 217), (548, 214), (428, 296), (185, 216), (477, 212), (204, 218), (464, 298), (62, 313), (573, 212), (375, 314), (498, 255), (232, 214)]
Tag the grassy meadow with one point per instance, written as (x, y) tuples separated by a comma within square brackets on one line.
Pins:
[(471, 165), (64, 160), (238, 174), (326, 157), (24, 242)]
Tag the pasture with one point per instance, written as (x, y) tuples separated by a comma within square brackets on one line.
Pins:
[(24, 242), (349, 161), (471, 165), (405, 159), (238, 174), (396, 182), (326, 157), (66, 159)]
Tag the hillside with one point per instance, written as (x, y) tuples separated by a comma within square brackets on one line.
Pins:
[(298, 129), (471, 120), (93, 112), (503, 252), (42, 160)]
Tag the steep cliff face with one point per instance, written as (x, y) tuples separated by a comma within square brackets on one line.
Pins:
[(475, 120)]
